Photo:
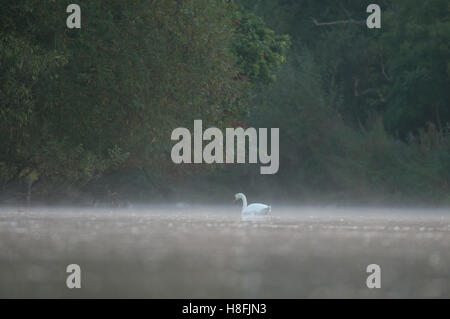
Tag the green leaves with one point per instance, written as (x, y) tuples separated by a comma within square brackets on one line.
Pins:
[(259, 50), (418, 51), (75, 103)]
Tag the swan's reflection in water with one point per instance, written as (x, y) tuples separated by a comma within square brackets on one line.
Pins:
[(206, 252)]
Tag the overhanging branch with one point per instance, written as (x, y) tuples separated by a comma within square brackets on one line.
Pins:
[(349, 21)]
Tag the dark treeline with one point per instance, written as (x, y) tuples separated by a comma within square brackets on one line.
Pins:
[(86, 114)]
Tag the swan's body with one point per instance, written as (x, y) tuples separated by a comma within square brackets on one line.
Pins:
[(252, 209)]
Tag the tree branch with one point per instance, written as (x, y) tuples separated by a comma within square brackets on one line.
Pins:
[(387, 77), (349, 21)]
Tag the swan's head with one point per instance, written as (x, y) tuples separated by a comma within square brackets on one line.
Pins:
[(238, 196)]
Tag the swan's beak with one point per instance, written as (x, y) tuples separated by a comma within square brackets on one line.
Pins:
[(234, 201)]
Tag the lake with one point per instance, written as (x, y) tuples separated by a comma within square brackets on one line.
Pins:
[(209, 252)]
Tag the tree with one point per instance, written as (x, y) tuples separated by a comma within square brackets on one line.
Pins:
[(260, 51), (417, 48), (77, 102)]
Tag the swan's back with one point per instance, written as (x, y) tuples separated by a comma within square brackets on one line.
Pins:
[(257, 208)]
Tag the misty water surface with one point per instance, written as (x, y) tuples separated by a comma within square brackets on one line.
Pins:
[(208, 252)]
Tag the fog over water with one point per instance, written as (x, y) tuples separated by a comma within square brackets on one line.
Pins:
[(182, 251)]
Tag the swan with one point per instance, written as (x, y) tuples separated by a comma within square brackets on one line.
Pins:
[(252, 209)]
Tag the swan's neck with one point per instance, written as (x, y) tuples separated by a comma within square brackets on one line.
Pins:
[(244, 202)]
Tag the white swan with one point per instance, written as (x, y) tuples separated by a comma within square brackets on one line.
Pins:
[(252, 209)]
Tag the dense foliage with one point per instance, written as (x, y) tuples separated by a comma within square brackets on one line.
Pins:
[(400, 71), (344, 84), (77, 102), (363, 113)]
